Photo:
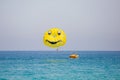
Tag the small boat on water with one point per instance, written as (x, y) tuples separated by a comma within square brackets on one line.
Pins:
[(74, 56)]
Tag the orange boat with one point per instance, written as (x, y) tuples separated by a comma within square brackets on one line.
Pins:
[(74, 56)]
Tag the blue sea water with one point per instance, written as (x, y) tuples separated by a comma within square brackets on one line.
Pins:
[(52, 65)]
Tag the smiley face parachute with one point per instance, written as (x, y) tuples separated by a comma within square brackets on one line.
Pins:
[(54, 38)]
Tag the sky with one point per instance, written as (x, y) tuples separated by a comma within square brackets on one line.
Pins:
[(90, 25)]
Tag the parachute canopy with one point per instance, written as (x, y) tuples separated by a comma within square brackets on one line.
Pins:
[(54, 38)]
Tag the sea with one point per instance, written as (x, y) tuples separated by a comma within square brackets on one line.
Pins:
[(53, 65)]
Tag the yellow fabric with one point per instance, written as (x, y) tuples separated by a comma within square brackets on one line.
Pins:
[(54, 37)]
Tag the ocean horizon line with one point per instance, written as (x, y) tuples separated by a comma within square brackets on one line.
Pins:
[(62, 50)]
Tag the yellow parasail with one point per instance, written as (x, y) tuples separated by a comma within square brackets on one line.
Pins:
[(54, 38)]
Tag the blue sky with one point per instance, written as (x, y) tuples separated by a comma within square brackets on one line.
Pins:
[(89, 24)]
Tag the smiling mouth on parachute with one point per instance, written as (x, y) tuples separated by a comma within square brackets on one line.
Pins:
[(51, 42)]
